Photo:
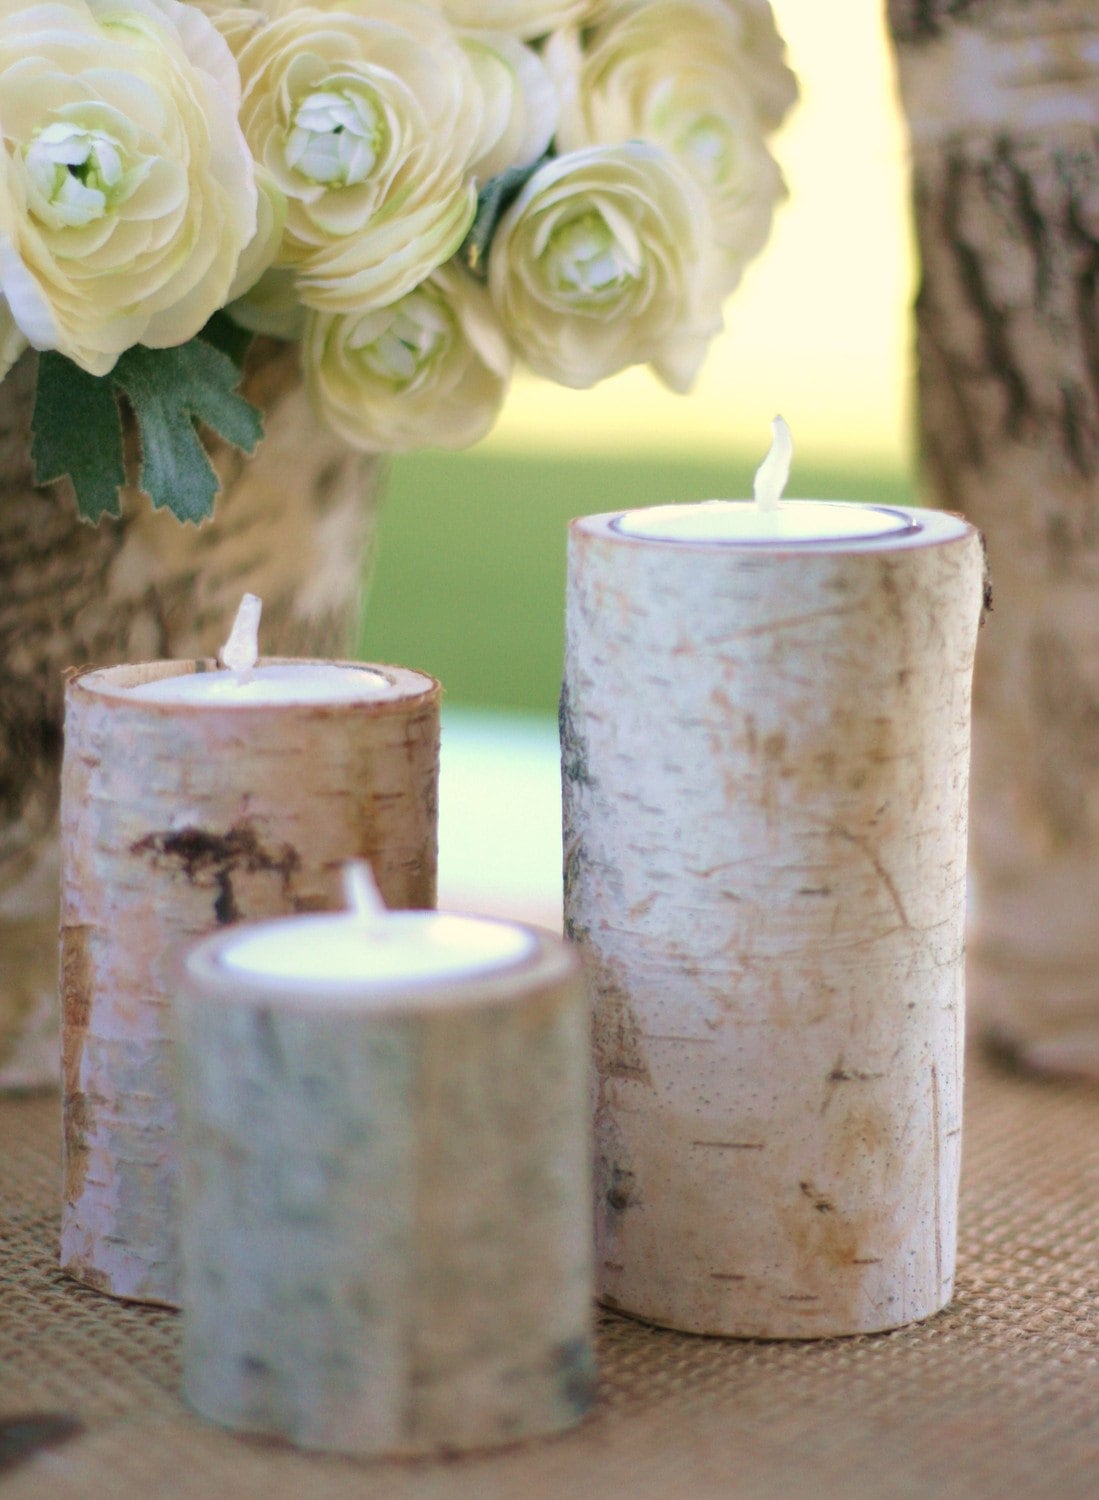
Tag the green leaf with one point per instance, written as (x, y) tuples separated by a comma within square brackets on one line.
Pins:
[(76, 430), (169, 390), (228, 336), (493, 201)]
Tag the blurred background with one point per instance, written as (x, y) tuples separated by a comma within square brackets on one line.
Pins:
[(469, 570)]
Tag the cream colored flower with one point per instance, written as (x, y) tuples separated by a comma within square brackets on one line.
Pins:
[(520, 102), (770, 80), (524, 18), (367, 115), (676, 72), (236, 23), (126, 189), (263, 247), (606, 259), (430, 370), (752, 43)]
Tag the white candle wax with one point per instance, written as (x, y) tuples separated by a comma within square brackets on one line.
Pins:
[(276, 682), (744, 522), (768, 520), (404, 950), (246, 682)]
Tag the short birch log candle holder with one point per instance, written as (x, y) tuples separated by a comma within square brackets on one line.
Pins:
[(765, 764), (386, 1204), (179, 816)]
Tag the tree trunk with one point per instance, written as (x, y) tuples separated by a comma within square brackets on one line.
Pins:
[(292, 525), (177, 820), (385, 1241), (1002, 99), (766, 756)]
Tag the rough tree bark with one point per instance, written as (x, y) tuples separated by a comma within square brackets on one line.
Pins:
[(1002, 99), (386, 1243), (292, 525), (176, 821), (765, 757)]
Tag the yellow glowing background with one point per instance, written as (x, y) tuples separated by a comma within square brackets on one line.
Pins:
[(819, 328)]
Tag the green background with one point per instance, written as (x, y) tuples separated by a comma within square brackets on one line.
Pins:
[(468, 579)]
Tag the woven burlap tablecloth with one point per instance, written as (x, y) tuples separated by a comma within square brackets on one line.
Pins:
[(998, 1396)]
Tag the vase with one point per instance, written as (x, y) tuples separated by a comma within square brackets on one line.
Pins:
[(1002, 101), (292, 524)]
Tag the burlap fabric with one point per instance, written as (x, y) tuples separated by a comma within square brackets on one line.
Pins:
[(997, 1397)]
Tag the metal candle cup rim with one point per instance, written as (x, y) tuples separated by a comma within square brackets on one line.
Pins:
[(405, 684), (910, 526), (343, 682), (544, 961)]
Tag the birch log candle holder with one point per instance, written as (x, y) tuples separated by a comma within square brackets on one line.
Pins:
[(386, 1208), (765, 762), (193, 798)]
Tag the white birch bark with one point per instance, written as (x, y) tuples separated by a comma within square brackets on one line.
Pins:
[(765, 758), (1002, 99), (137, 589), (176, 821), (386, 1209)]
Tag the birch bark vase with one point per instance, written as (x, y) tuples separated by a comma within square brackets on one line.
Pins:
[(765, 763), (176, 821), (386, 1225), (1002, 101), (292, 525)]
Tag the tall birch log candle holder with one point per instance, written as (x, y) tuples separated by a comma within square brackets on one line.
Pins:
[(766, 720), (193, 798), (386, 1226)]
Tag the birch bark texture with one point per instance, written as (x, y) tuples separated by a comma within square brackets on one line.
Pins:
[(175, 821), (765, 769), (1002, 100), (143, 587), (386, 1227)]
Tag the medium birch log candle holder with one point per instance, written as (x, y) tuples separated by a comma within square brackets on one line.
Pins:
[(386, 1205), (180, 816), (765, 762)]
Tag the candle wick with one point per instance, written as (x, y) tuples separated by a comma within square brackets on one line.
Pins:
[(241, 650), (774, 471), (364, 899)]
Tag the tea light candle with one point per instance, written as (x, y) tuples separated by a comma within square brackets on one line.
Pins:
[(186, 809), (245, 682), (386, 1235), (745, 523), (765, 757), (768, 519), (408, 948), (271, 682)]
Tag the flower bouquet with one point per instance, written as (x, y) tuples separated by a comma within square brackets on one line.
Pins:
[(358, 214), (417, 193)]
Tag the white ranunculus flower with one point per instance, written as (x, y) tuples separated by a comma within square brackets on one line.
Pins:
[(770, 80), (675, 72), (236, 23), (367, 115), (431, 370), (126, 189), (752, 42), (520, 113), (606, 259), (263, 247), (523, 18)]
